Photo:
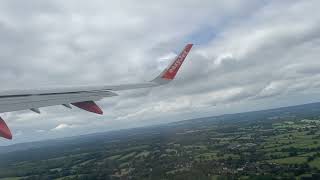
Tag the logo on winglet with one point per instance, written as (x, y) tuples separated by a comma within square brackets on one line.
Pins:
[(173, 69), (178, 62)]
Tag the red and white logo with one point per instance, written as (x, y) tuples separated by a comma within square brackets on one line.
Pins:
[(173, 69)]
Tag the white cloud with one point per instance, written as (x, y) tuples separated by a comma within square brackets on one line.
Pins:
[(18, 133), (62, 127), (40, 131)]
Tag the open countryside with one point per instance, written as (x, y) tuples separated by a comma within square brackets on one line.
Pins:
[(278, 143)]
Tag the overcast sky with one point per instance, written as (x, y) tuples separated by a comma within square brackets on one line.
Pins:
[(248, 55)]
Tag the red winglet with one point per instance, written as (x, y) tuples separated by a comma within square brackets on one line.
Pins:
[(89, 106), (4, 130), (174, 67)]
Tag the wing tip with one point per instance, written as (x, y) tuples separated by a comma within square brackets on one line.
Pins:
[(171, 71)]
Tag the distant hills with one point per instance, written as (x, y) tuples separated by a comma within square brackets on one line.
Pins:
[(305, 110)]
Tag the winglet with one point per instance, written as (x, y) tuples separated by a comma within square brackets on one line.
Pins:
[(171, 71)]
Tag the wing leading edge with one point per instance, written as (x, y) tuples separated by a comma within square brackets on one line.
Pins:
[(83, 97)]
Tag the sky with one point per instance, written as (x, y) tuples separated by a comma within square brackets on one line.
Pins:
[(248, 55)]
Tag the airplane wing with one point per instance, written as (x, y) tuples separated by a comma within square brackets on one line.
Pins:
[(83, 97)]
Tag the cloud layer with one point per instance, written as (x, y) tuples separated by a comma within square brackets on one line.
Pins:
[(247, 55)]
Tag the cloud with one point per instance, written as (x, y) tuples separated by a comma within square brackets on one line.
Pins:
[(62, 127), (18, 133), (40, 131), (247, 55)]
